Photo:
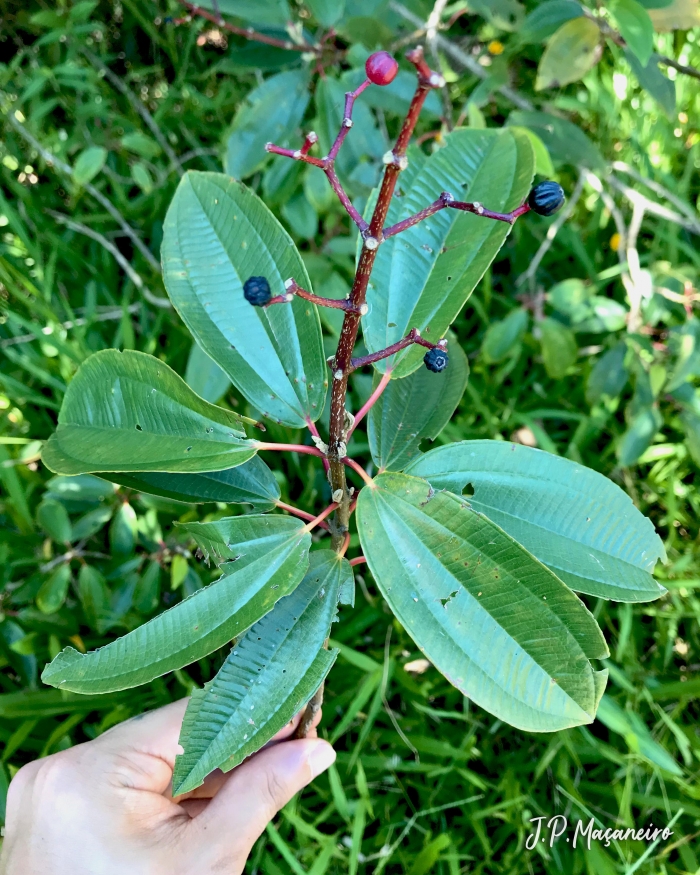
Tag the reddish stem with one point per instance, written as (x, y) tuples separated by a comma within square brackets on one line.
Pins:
[(290, 448), (371, 401), (358, 560), (413, 336), (297, 511), (294, 289), (346, 124), (316, 521), (314, 431), (346, 543), (351, 463), (446, 201), (248, 32)]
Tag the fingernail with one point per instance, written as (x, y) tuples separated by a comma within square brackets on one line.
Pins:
[(321, 756)]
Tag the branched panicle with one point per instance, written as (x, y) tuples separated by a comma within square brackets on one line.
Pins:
[(381, 69)]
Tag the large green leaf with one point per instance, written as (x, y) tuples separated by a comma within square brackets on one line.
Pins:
[(579, 523), (417, 407), (565, 141), (271, 112), (498, 624), (271, 555), (269, 675), (217, 234), (636, 27), (250, 483), (423, 277), (573, 50), (127, 411), (204, 376), (546, 18)]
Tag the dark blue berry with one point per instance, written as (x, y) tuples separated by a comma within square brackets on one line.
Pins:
[(436, 359), (257, 290), (546, 198)]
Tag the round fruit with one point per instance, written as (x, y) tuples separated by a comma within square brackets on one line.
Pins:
[(381, 68), (436, 359), (256, 290), (546, 198)]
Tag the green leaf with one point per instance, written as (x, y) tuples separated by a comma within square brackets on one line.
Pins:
[(127, 411), (654, 81), (54, 520), (271, 113), (147, 592), (565, 141), (142, 178), (543, 163), (89, 163), (423, 277), (54, 590), (327, 12), (559, 348), (608, 376), (500, 626), (217, 234), (546, 18), (635, 732), (690, 420), (572, 51), (415, 408), (269, 675), (636, 27), (94, 597), (250, 483), (122, 531), (503, 336), (205, 377), (272, 557), (574, 520), (639, 435), (141, 144)]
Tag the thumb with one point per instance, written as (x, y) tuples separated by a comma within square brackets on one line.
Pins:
[(259, 788)]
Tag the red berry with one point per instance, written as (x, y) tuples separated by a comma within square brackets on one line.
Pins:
[(381, 68)]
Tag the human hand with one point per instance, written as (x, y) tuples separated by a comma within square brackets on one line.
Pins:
[(106, 808)]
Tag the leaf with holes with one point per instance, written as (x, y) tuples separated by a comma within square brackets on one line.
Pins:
[(497, 623), (218, 233), (271, 554), (127, 411), (413, 409), (250, 483), (423, 277), (579, 523), (272, 671)]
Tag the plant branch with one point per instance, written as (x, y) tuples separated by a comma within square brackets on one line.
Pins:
[(413, 336), (297, 511), (248, 32), (327, 164), (447, 201), (294, 289), (314, 433), (358, 560)]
